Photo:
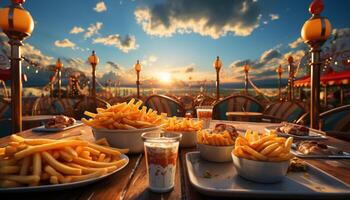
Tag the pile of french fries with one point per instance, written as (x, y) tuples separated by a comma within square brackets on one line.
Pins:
[(215, 139), (184, 124), (33, 162), (125, 116), (265, 147)]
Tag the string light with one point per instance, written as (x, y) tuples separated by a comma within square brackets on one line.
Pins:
[(36, 71)]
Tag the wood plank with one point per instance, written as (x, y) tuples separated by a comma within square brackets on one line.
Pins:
[(139, 185), (112, 186)]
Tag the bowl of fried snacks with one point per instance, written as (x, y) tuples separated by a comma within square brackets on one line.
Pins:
[(188, 127), (122, 124), (42, 163), (216, 145), (262, 158)]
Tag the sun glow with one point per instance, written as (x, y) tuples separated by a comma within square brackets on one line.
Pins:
[(165, 77)]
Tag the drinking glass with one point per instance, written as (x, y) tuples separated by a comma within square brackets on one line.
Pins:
[(161, 150), (205, 113)]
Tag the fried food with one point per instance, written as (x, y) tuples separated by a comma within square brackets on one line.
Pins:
[(60, 121), (263, 147), (125, 116), (184, 124), (49, 161)]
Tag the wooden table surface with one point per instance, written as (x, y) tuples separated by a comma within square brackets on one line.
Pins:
[(244, 116), (132, 181)]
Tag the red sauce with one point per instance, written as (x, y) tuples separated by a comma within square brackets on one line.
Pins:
[(161, 158)]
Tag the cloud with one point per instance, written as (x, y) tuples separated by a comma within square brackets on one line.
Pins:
[(66, 43), (93, 30), (149, 60), (189, 69), (113, 65), (124, 44), (205, 17), (100, 7), (296, 43), (76, 30), (274, 17)]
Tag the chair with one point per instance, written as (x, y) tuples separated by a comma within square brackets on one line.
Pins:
[(187, 101), (165, 104), (204, 100), (283, 111), (64, 106), (88, 103), (337, 119), (5, 117), (43, 106), (235, 103)]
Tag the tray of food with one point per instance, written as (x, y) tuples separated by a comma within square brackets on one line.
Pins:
[(188, 127), (318, 150), (46, 164), (58, 123), (123, 123), (296, 131), (262, 164)]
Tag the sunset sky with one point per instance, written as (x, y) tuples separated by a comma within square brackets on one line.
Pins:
[(178, 38)]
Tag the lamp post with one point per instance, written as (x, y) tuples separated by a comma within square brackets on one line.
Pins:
[(315, 32), (279, 71), (137, 68), (93, 60), (17, 24), (217, 65), (291, 78), (59, 66), (246, 69)]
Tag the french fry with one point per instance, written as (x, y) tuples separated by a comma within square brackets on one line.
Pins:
[(88, 176), (54, 180), (21, 179), (48, 146), (66, 156), (25, 165), (9, 184), (52, 172), (59, 166), (37, 164), (91, 163), (8, 162), (102, 141), (9, 169), (215, 139)]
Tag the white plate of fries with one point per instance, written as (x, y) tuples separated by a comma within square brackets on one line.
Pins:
[(46, 164)]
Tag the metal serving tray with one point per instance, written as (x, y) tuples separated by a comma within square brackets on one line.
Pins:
[(225, 182)]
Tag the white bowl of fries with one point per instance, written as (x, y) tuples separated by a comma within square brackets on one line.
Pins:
[(262, 158), (123, 123), (124, 139)]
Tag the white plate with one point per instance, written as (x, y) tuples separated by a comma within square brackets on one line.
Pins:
[(226, 182), (313, 134), (345, 155), (63, 186), (43, 129)]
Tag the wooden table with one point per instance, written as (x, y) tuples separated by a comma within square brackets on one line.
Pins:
[(244, 116), (132, 181)]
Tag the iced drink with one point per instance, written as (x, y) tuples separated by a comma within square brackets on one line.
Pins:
[(161, 154), (204, 113)]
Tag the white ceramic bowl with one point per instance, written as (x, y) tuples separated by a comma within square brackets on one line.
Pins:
[(215, 153), (260, 171), (189, 138), (124, 139)]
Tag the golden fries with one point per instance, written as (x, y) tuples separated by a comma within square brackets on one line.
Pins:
[(263, 147), (184, 124), (215, 139), (33, 162), (126, 116)]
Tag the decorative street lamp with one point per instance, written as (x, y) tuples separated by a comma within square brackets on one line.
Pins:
[(93, 60), (279, 71), (59, 66), (17, 24), (291, 78), (217, 65), (315, 32), (246, 69), (137, 68)]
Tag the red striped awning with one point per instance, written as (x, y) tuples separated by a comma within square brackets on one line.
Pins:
[(331, 78)]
